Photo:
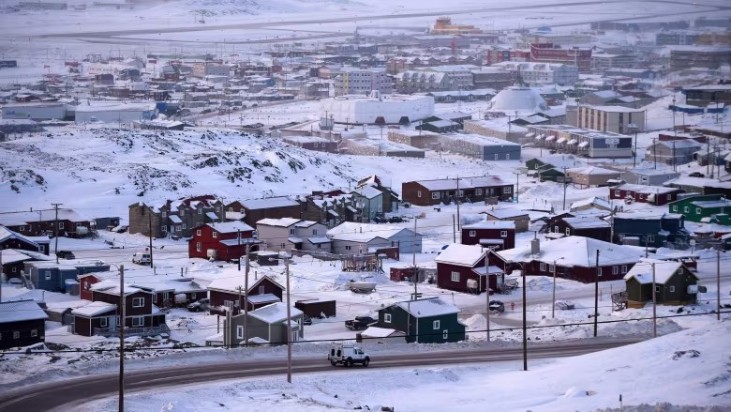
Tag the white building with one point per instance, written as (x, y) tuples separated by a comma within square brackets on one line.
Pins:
[(616, 119), (114, 112), (517, 101), (377, 108), (35, 111), (541, 74), (352, 80)]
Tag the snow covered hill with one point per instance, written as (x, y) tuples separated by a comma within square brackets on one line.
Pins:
[(104, 169)]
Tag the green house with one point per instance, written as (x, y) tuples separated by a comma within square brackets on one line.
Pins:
[(696, 208), (675, 284), (424, 320), (536, 164), (553, 175)]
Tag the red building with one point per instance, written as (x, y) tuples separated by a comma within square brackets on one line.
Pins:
[(655, 195), (221, 241), (551, 53), (461, 268), (493, 234)]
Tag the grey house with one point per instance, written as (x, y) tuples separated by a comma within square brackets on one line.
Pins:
[(266, 324), (369, 200), (649, 176), (288, 233), (480, 147), (358, 238), (675, 152)]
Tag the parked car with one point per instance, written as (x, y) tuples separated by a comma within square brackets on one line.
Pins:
[(65, 254), (200, 305), (564, 305), (395, 219), (141, 258), (306, 320), (496, 306), (360, 322), (347, 354), (696, 174), (380, 218)]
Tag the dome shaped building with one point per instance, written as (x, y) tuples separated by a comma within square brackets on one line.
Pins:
[(517, 100)]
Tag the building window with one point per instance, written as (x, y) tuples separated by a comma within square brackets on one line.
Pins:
[(164, 228), (182, 212), (624, 269), (543, 267), (103, 322), (198, 232), (617, 193), (671, 289), (435, 195), (164, 213), (503, 233), (508, 190), (16, 334), (436, 325), (282, 246), (138, 321), (445, 334), (698, 211), (291, 231), (615, 270), (138, 302), (472, 233), (48, 274), (460, 193), (686, 209), (198, 247), (348, 247), (675, 208), (239, 332), (418, 193), (568, 231), (60, 225), (455, 276), (478, 192), (599, 271), (387, 318), (314, 232), (215, 235), (34, 332), (21, 228), (184, 226), (658, 289), (200, 211)]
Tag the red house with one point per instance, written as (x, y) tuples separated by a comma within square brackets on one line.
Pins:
[(572, 258), (493, 234), (231, 290), (461, 268), (221, 241), (655, 195)]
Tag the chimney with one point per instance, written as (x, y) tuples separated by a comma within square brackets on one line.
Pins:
[(535, 246)]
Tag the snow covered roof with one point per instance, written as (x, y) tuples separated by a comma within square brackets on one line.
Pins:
[(425, 308), (232, 283), (593, 170), (521, 99), (281, 222), (111, 287), (8, 256), (505, 213), (275, 312), (95, 309), (369, 192), (269, 202), (664, 270), (376, 332), (461, 255), (262, 298), (364, 231), (576, 251), (6, 234), (230, 227), (21, 310), (491, 224), (464, 183), (585, 222)]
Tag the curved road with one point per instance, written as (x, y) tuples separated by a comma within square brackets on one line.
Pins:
[(63, 395)]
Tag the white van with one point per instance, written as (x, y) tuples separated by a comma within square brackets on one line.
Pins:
[(347, 354), (141, 258)]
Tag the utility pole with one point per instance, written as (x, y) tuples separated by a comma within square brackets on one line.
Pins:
[(708, 157), (654, 303), (553, 299), (457, 199), (564, 187), (121, 337), (454, 230), (654, 151), (149, 221), (718, 282), (525, 326), (55, 206), (596, 294), (674, 155), (487, 292), (413, 262), (246, 295), (289, 326)]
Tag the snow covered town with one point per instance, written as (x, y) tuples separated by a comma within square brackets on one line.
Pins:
[(307, 206)]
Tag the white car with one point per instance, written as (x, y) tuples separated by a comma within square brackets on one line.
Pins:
[(141, 258)]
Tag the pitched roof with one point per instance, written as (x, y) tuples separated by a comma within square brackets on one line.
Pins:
[(664, 270), (275, 312), (425, 308), (21, 310), (94, 309), (230, 227), (461, 255), (576, 251)]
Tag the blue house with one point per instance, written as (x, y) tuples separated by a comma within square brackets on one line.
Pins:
[(60, 277), (650, 229)]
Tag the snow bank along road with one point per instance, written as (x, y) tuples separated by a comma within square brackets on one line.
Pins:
[(63, 395)]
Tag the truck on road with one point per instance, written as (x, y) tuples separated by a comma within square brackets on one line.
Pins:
[(360, 322), (347, 354)]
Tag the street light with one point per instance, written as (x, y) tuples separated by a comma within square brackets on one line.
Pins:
[(553, 299), (634, 128), (286, 260)]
